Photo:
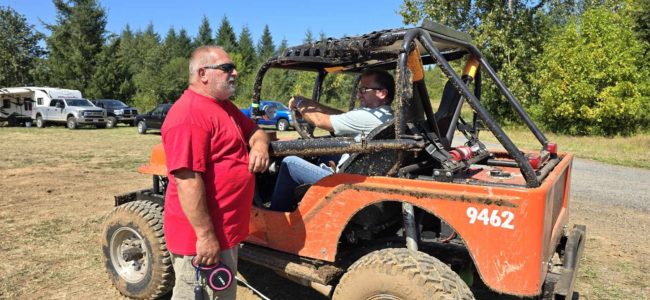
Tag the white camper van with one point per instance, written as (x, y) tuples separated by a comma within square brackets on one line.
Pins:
[(49, 105)]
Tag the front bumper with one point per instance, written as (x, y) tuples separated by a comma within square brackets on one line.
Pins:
[(91, 120), (560, 281)]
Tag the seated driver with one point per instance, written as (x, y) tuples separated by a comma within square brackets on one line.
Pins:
[(375, 92)]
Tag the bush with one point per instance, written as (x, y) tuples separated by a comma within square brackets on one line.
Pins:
[(591, 77)]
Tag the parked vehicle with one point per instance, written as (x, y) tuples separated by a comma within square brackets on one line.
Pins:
[(410, 214), (278, 114), (62, 106), (152, 119), (18, 103), (117, 112)]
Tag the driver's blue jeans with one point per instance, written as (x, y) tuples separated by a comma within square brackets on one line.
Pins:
[(293, 172)]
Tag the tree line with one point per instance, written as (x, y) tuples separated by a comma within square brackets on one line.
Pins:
[(579, 67)]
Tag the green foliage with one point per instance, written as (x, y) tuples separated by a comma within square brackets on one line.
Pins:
[(204, 35), (112, 75), (19, 49), (247, 51), (226, 36), (590, 78), (76, 41), (265, 46)]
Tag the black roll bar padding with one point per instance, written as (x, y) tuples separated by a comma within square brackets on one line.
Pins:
[(257, 87), (526, 169), (513, 101), (318, 86), (314, 147), (353, 96)]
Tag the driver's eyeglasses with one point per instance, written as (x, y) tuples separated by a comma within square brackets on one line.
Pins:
[(227, 67), (363, 90)]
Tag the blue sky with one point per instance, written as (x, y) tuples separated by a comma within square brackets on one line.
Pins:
[(286, 19)]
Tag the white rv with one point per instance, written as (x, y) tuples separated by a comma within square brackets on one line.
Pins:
[(49, 105)]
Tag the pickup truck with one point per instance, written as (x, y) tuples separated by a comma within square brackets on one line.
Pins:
[(117, 112), (72, 112), (282, 120)]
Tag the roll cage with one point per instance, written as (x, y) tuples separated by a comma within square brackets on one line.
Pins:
[(417, 128)]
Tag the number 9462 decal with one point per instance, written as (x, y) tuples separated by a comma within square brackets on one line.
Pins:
[(491, 217)]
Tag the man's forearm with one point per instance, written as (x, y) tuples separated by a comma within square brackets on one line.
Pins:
[(259, 138), (191, 194)]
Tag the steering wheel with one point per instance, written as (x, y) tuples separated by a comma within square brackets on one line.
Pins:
[(305, 130)]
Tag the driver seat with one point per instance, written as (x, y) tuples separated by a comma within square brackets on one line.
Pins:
[(375, 163)]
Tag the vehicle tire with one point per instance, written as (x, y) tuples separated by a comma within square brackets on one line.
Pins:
[(282, 125), (142, 127), (400, 274), (72, 123), (135, 252), (111, 122), (40, 123)]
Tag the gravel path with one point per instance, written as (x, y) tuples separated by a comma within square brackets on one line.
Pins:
[(612, 185)]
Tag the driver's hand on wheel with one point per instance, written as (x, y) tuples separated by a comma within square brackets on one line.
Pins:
[(296, 102)]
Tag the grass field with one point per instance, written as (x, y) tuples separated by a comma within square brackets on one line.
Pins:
[(58, 185)]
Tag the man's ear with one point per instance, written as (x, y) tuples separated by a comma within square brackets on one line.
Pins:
[(383, 93), (201, 75)]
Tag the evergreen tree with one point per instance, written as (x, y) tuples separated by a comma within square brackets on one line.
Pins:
[(247, 51), (146, 76), (111, 74), (76, 40), (19, 48), (226, 36), (184, 44), (169, 44), (204, 36), (265, 46)]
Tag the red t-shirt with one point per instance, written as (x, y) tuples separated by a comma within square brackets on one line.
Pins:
[(209, 137)]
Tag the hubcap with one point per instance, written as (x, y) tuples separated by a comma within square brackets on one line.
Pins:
[(70, 123), (141, 127), (39, 122), (129, 254)]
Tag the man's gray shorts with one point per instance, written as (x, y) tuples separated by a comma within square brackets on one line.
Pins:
[(186, 276)]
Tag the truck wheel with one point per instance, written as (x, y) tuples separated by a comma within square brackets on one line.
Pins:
[(40, 123), (135, 252), (282, 125), (111, 122), (72, 123), (142, 127), (400, 274)]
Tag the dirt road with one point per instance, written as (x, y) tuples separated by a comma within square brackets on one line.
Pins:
[(56, 186)]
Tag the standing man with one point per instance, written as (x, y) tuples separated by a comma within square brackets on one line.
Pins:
[(211, 181)]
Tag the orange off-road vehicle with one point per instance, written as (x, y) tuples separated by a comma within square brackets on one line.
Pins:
[(414, 213)]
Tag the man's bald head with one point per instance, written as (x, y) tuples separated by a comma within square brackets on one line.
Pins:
[(202, 56)]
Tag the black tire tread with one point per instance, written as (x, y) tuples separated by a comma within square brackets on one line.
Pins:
[(423, 271), (151, 213)]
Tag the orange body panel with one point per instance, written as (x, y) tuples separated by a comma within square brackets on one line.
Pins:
[(512, 261), (509, 260), (157, 162)]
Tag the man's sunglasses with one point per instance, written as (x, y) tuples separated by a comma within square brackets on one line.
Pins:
[(363, 90), (227, 67)]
